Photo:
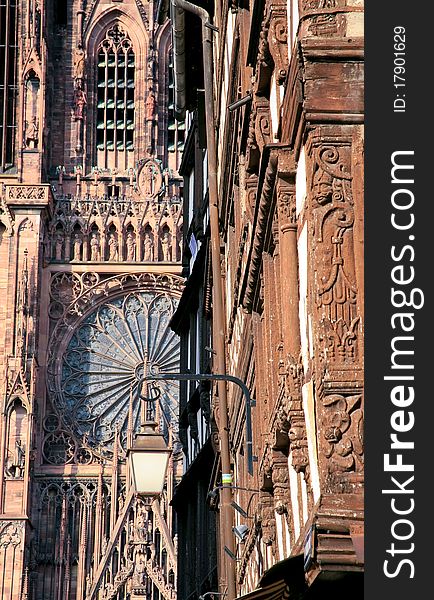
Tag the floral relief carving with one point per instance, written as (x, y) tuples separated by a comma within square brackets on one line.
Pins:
[(27, 192), (338, 341), (286, 207), (342, 427)]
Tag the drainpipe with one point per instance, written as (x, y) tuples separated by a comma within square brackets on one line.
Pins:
[(217, 289), (178, 20)]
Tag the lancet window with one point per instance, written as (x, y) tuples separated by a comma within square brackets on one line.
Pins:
[(8, 82), (115, 100)]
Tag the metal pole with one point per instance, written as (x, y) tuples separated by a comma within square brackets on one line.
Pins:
[(214, 377), (218, 329)]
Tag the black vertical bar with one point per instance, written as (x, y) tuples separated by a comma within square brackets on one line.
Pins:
[(398, 300)]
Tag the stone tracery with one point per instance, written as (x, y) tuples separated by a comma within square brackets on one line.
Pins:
[(103, 362), (103, 229)]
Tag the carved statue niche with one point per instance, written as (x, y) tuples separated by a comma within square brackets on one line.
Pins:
[(113, 244), (130, 243), (150, 105), (77, 244), (95, 245), (148, 244), (141, 526), (59, 243), (166, 244), (150, 179), (31, 111), (16, 450), (78, 63), (79, 102)]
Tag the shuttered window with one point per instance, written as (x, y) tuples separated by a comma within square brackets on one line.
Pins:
[(115, 100)]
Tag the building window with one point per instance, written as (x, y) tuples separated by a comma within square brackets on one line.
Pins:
[(115, 100), (8, 82)]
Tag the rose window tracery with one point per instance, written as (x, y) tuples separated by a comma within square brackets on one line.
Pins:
[(104, 362)]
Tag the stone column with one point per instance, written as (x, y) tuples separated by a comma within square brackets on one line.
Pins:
[(288, 252)]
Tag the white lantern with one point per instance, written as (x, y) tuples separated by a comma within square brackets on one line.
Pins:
[(148, 458)]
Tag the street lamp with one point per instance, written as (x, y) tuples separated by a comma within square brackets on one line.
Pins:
[(148, 454)]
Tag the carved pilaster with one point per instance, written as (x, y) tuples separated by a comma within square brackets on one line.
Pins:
[(278, 39), (335, 306), (268, 520), (292, 420), (280, 479), (263, 134)]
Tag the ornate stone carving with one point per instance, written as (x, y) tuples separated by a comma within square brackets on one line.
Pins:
[(122, 229), (286, 207), (279, 476), (92, 394), (78, 63), (6, 216), (278, 40), (10, 534), (338, 341), (58, 448), (16, 462), (263, 132), (342, 433), (150, 178), (268, 520), (291, 415), (322, 23), (252, 151), (28, 193), (143, 13), (263, 209), (333, 218)]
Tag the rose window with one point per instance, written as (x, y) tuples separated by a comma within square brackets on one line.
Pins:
[(104, 363)]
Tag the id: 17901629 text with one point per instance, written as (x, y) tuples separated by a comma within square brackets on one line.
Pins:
[(399, 63)]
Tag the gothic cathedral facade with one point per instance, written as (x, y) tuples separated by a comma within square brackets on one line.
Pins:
[(90, 275)]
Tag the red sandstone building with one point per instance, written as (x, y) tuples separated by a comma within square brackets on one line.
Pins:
[(114, 123)]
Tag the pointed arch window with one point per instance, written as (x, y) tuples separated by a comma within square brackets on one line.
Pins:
[(115, 100), (8, 82)]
